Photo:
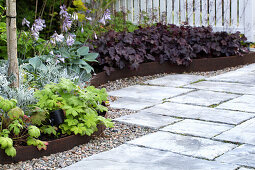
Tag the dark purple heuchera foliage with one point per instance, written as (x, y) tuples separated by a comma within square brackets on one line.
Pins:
[(164, 43)]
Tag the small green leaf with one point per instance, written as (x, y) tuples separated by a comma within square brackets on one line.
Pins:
[(34, 131), (82, 51), (11, 151), (6, 142), (91, 57)]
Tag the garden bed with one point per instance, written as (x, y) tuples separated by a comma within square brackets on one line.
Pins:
[(59, 145), (197, 65)]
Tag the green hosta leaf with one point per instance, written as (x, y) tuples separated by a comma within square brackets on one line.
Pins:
[(82, 51), (35, 62), (91, 57), (6, 142), (34, 131), (11, 151)]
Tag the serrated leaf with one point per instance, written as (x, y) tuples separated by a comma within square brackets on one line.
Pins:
[(11, 151), (34, 131), (6, 142)]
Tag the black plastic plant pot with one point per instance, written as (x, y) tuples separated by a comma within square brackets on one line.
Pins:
[(57, 117)]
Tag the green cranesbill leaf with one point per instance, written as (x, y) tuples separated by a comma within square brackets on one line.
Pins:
[(34, 131), (6, 142)]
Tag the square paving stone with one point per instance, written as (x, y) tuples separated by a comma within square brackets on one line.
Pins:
[(224, 87), (128, 157), (186, 145), (197, 128), (201, 113), (242, 155), (133, 103), (147, 119), (203, 98), (149, 92), (243, 133), (244, 103), (175, 80), (235, 76)]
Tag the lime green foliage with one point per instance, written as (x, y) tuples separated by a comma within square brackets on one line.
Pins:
[(38, 116), (49, 130), (14, 129), (80, 106)]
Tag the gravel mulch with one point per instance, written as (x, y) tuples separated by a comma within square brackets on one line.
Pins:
[(111, 138)]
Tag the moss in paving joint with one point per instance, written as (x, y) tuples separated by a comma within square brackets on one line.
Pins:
[(213, 105), (197, 81)]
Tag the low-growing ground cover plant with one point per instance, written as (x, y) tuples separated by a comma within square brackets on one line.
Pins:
[(81, 106), (164, 43), (14, 130)]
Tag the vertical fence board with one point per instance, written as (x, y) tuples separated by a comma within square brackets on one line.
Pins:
[(249, 20), (190, 14), (136, 11), (212, 12), (197, 12), (205, 12), (183, 11), (117, 5), (162, 10), (234, 15), (226, 13), (149, 7), (176, 12), (142, 9), (155, 7), (218, 13), (130, 10), (170, 11)]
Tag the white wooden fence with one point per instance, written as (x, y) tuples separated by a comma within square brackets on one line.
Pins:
[(222, 15)]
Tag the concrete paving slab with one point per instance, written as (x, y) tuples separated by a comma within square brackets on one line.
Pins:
[(197, 128), (248, 68), (203, 98), (243, 103), (242, 155), (149, 92), (148, 119), (201, 113), (186, 145), (224, 87), (133, 103), (235, 76), (175, 80), (243, 133), (127, 157)]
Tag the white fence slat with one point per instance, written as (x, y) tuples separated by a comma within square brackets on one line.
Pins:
[(155, 6), (170, 11), (249, 20), (218, 13), (162, 10), (136, 11), (149, 7), (234, 11), (190, 14), (117, 5), (183, 11), (197, 12), (212, 12), (142, 9), (130, 10), (176, 12), (226, 13), (242, 5), (205, 12)]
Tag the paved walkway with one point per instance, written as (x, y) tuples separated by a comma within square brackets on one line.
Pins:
[(203, 123)]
